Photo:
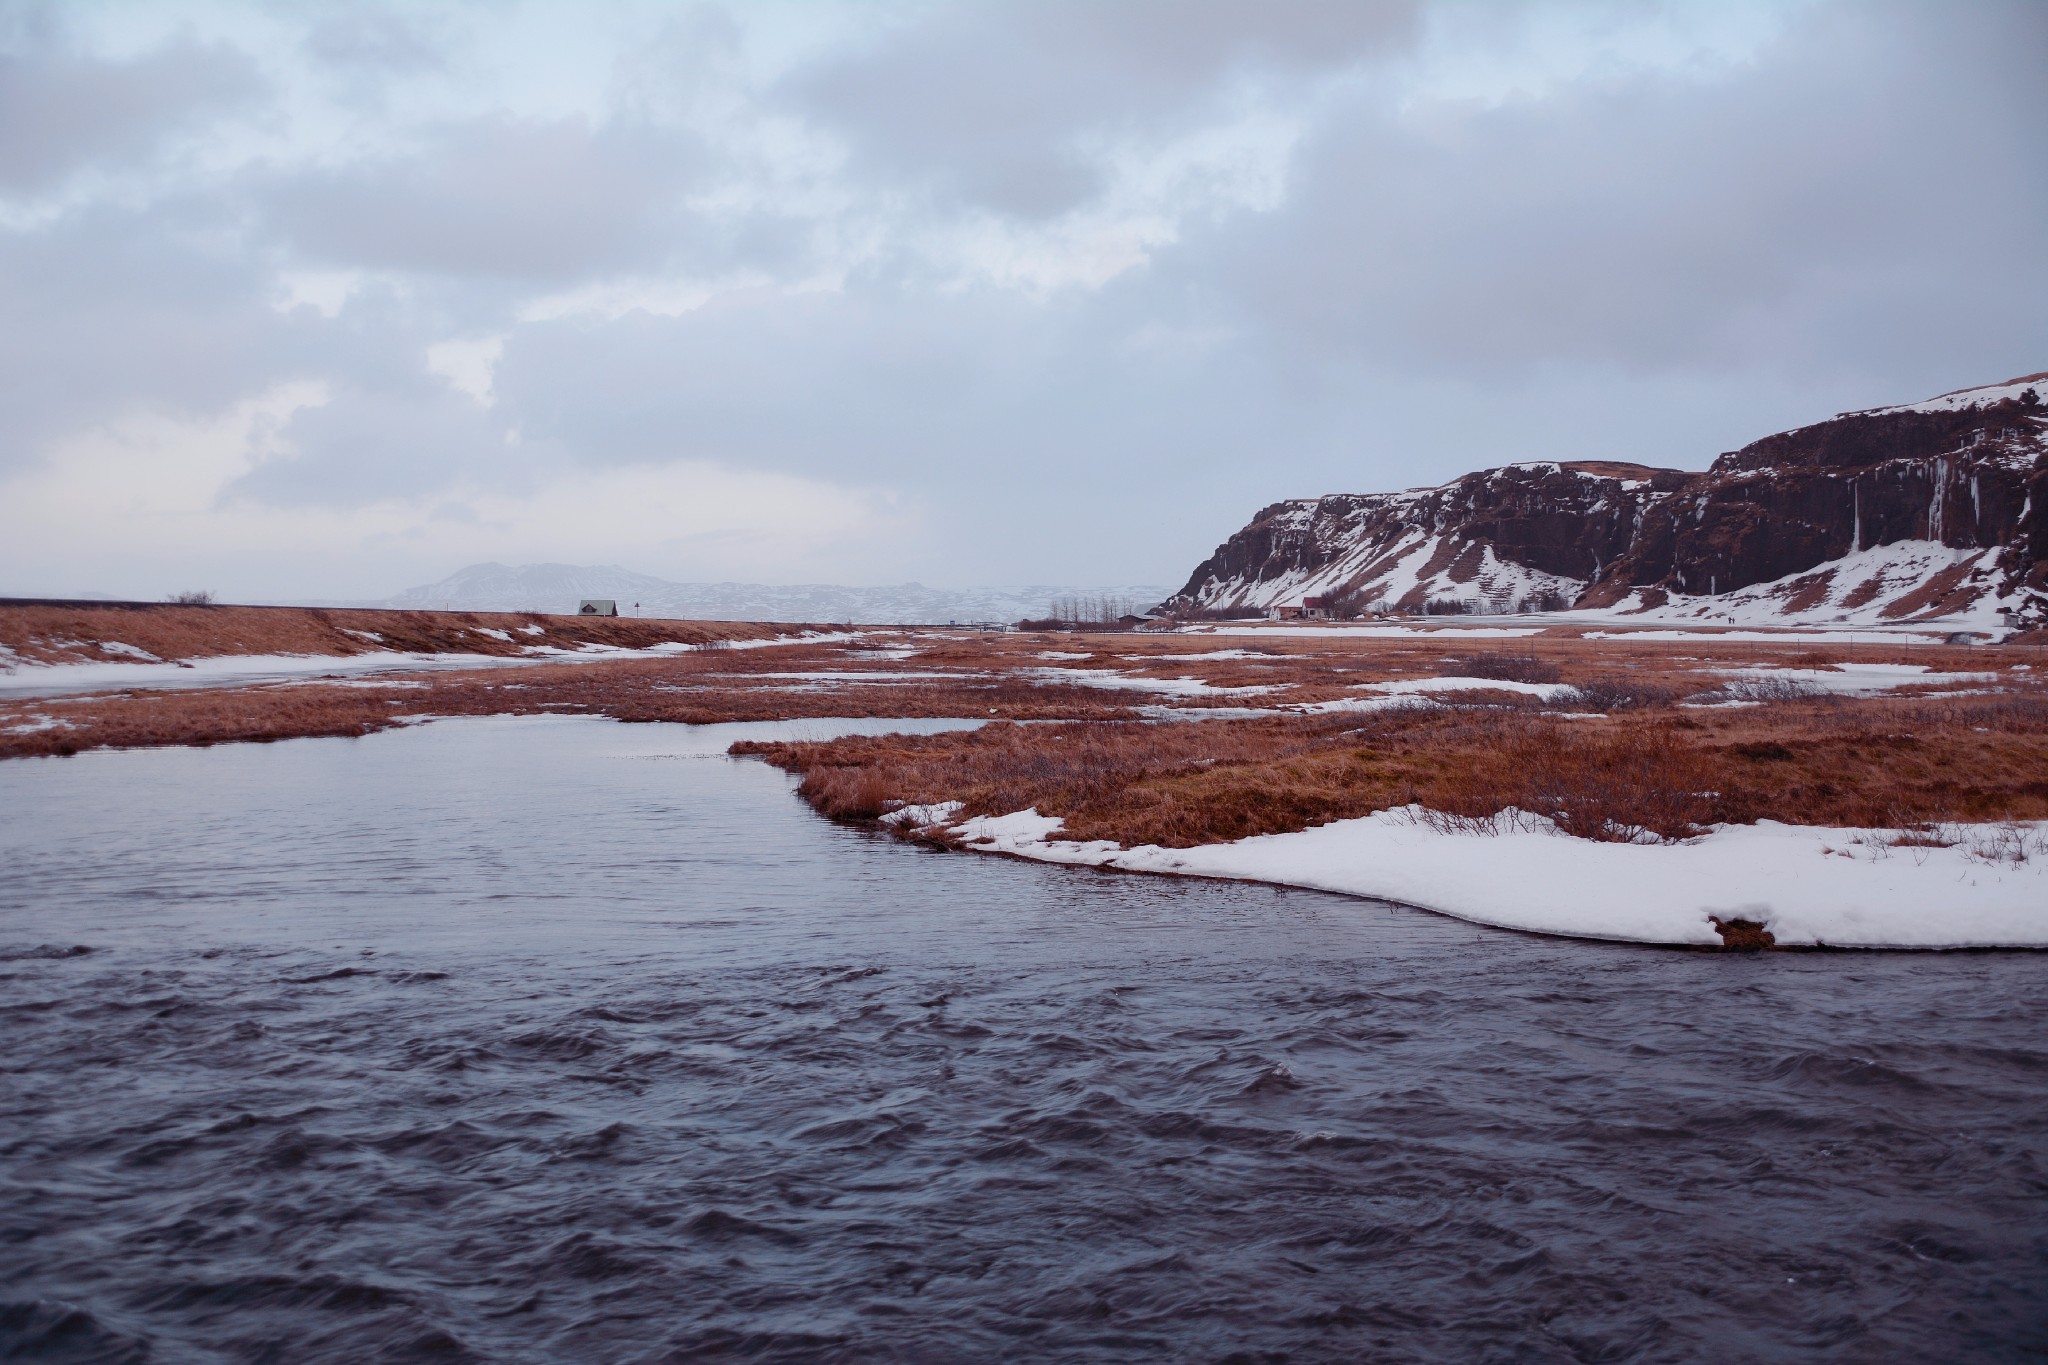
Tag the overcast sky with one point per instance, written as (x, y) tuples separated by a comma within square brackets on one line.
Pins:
[(325, 300)]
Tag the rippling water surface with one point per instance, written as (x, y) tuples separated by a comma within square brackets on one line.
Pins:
[(561, 1040)]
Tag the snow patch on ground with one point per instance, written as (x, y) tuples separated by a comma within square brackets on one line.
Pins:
[(1858, 680), (1185, 658), (1547, 691), (1818, 637), (237, 670), (937, 815), (1400, 701), (1114, 681), (37, 724), (1369, 632), (1807, 885)]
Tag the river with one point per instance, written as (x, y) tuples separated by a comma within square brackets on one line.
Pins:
[(556, 1039)]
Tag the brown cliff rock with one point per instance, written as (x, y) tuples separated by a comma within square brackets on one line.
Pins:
[(1928, 511)]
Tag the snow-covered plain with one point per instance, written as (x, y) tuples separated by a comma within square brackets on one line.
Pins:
[(1807, 886)]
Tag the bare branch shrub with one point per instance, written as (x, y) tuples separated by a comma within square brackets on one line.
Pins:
[(1523, 667), (1618, 692), (1768, 689), (1636, 785)]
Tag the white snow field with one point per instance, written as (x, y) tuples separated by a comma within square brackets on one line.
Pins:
[(1809, 886)]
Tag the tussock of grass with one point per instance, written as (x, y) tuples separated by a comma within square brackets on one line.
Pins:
[(1525, 667), (1620, 692)]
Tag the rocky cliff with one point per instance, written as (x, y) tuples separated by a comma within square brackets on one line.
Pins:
[(1922, 512)]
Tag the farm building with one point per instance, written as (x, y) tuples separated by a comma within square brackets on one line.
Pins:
[(1311, 608)]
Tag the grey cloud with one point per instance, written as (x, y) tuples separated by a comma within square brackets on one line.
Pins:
[(112, 311), (1648, 267), (60, 111), (400, 441), (378, 39), (1858, 174), (1193, 40), (985, 102), (541, 201)]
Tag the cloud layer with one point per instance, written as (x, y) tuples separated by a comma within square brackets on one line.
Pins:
[(326, 300)]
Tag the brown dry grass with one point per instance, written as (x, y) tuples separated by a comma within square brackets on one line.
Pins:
[(1647, 767), (697, 689), (75, 633), (1886, 763)]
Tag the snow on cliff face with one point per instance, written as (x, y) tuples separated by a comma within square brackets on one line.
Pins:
[(1908, 580), (559, 587), (2011, 389), (1932, 512)]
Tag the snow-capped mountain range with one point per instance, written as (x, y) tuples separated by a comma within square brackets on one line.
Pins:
[(559, 587), (1926, 512)]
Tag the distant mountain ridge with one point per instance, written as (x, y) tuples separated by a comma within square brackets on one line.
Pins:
[(559, 587), (1934, 511)]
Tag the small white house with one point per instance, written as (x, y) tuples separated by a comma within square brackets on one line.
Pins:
[(598, 606)]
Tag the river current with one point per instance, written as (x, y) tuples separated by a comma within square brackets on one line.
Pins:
[(564, 1040)]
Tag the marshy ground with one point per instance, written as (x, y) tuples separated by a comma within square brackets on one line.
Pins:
[(1170, 739)]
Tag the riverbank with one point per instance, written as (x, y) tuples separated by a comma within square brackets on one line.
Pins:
[(1622, 786), (1982, 885), (1812, 820)]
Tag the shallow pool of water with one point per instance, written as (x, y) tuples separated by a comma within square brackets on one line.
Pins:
[(565, 1040)]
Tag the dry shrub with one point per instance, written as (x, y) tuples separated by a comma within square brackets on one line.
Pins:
[(1500, 664), (1768, 689), (848, 793), (1630, 785), (1618, 692), (1176, 785)]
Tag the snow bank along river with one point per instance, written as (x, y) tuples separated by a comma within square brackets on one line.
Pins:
[(563, 1040), (1986, 886)]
